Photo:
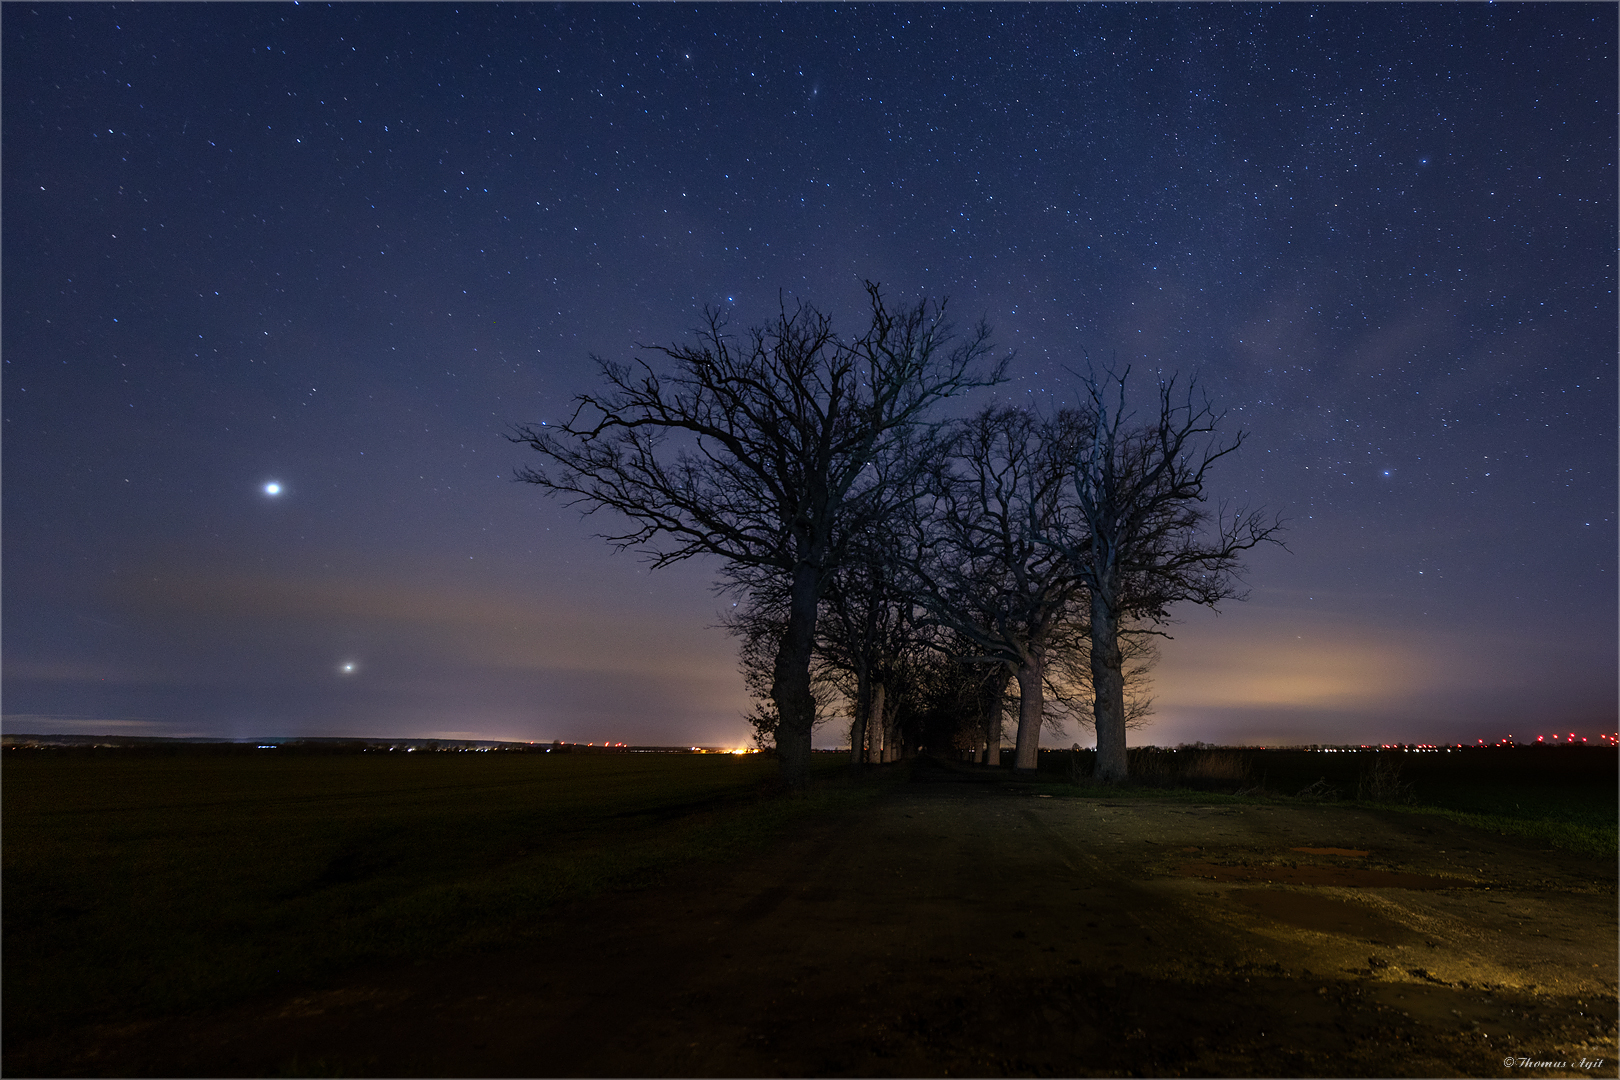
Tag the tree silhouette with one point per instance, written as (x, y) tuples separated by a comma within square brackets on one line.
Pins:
[(1145, 539), (771, 452), (867, 629), (758, 622), (982, 568)]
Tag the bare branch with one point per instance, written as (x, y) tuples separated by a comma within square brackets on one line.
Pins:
[(772, 450), (1145, 540)]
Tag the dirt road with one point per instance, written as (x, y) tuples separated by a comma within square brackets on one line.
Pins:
[(959, 928)]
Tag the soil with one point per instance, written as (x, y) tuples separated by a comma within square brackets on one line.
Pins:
[(964, 928)]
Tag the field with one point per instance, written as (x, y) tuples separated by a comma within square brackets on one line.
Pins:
[(1563, 796), (488, 914), (144, 883)]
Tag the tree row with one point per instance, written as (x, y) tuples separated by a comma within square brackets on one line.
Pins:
[(911, 565)]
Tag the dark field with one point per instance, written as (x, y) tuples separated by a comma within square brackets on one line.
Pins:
[(145, 883), (487, 914), (1564, 796)]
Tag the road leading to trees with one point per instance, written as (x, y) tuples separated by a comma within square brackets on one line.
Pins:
[(960, 928)]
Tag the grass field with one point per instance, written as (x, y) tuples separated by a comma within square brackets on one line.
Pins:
[(1566, 796), (140, 884)]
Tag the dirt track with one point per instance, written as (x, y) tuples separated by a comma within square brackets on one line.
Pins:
[(972, 929)]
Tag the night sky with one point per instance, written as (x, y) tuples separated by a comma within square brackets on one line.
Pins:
[(342, 250)]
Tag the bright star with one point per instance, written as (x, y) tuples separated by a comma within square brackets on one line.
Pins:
[(272, 488), (348, 667)]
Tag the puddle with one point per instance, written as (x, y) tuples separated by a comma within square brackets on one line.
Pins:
[(1323, 913), (1344, 877)]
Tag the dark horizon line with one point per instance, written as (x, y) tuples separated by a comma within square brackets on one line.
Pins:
[(26, 739)]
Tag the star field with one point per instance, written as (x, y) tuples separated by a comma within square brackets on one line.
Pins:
[(277, 279)]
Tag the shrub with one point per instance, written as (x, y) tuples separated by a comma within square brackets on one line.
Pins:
[(1380, 780)]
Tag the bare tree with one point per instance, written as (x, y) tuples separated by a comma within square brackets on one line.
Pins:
[(1068, 676), (986, 697), (758, 629), (977, 700), (757, 622), (777, 441), (865, 629), (1146, 540), (981, 565)]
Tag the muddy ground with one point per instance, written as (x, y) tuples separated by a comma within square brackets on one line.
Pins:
[(964, 928)]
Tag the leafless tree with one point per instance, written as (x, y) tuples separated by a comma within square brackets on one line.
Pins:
[(982, 568), (865, 632), (757, 628), (979, 700), (1068, 676), (771, 451), (757, 621), (1146, 540)]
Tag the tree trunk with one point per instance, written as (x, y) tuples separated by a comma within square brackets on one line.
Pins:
[(790, 690), (1108, 682), (992, 719), (893, 741), (857, 729), (1030, 702), (876, 726)]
